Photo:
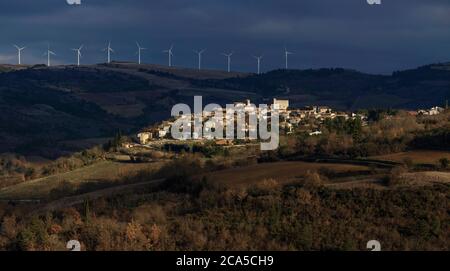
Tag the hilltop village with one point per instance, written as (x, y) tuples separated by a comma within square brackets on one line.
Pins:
[(307, 119)]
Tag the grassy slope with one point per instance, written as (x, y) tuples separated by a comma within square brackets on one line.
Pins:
[(102, 171), (417, 157), (281, 171)]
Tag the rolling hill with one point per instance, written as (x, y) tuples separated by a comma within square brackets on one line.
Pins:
[(42, 107)]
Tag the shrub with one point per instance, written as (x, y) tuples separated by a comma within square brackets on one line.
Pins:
[(9, 227), (313, 179), (65, 189), (265, 187), (444, 163), (34, 236), (185, 166), (395, 176), (408, 162)]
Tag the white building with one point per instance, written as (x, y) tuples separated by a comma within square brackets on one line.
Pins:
[(144, 137), (281, 105), (315, 133), (432, 112)]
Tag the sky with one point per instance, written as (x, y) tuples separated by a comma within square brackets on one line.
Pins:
[(396, 35)]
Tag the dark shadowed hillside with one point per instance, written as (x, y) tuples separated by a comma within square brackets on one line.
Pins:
[(42, 107), (347, 89)]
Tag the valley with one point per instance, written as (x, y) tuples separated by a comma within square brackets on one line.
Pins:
[(73, 168)]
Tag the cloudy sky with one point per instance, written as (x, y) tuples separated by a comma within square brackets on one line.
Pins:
[(396, 35)]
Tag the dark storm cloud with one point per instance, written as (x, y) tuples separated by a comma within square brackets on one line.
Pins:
[(323, 33)]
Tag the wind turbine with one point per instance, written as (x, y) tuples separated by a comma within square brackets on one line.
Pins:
[(170, 53), (139, 51), (287, 53), (200, 53), (19, 53), (78, 54), (109, 50), (229, 59), (258, 58), (49, 54)]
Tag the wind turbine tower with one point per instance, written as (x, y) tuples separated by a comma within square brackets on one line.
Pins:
[(49, 54), (170, 53), (139, 52), (109, 50), (19, 53), (286, 54), (78, 54), (200, 53), (258, 58), (229, 59)]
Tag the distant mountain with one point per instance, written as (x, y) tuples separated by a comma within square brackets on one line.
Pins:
[(44, 108)]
